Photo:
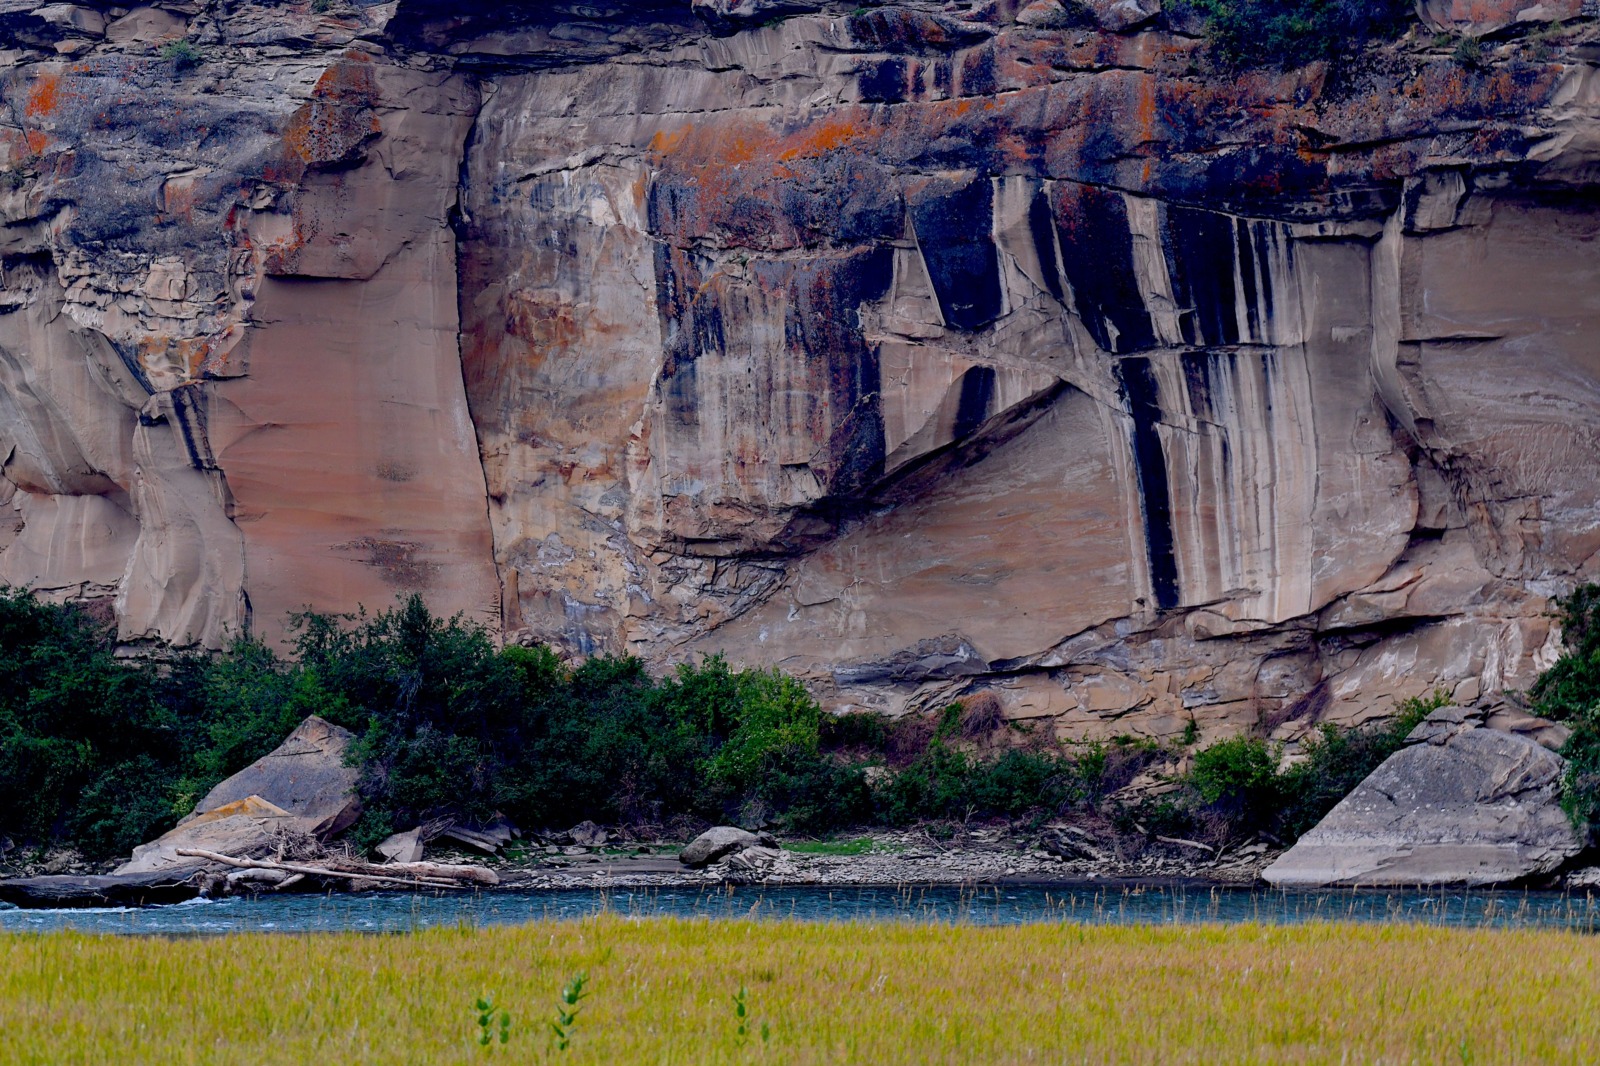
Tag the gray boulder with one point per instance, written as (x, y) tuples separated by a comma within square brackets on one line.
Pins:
[(1460, 804), (720, 842), (301, 789), (730, 14), (137, 890), (402, 847), (1116, 16), (588, 835), (305, 775)]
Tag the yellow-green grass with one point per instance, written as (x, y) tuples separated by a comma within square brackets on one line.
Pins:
[(661, 992)]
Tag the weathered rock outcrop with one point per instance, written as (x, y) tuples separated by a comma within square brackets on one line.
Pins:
[(1460, 804), (913, 346), (302, 789)]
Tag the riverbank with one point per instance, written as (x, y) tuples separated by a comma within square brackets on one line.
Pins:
[(661, 991), (998, 854)]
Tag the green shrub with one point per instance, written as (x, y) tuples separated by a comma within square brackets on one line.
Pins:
[(1291, 33), (181, 54), (106, 754), (87, 750), (1569, 692), (1239, 779), (1241, 785)]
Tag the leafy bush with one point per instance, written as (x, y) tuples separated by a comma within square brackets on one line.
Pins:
[(86, 748), (1291, 33), (1569, 692), (1240, 786), (106, 754), (182, 54), (1239, 777)]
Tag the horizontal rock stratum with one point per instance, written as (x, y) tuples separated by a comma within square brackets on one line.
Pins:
[(913, 347)]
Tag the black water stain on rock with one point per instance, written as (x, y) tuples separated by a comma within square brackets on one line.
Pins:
[(1200, 249), (1041, 227), (977, 390), (955, 231), (1141, 395), (1097, 252), (884, 82)]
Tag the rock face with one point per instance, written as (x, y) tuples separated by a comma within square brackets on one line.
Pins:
[(915, 347), (1461, 804), (302, 788)]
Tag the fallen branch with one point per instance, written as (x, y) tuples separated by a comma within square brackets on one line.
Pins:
[(313, 871), (479, 874), (1180, 842)]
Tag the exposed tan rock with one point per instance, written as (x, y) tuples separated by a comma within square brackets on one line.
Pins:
[(305, 776), (247, 827), (912, 347)]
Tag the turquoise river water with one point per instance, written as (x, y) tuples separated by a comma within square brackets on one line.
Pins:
[(1090, 903)]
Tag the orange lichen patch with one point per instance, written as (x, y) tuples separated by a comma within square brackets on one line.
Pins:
[(322, 132), (225, 355), (177, 198), (44, 97), (669, 142), (1146, 114), (337, 122), (350, 80), (36, 140), (831, 135), (160, 355)]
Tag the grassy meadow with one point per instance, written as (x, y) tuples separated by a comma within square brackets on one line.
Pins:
[(661, 991)]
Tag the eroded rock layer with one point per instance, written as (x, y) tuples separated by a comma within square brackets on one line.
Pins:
[(913, 347)]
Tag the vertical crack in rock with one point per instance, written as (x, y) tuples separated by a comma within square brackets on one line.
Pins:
[(459, 222)]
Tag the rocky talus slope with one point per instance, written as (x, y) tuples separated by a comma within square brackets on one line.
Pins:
[(913, 347)]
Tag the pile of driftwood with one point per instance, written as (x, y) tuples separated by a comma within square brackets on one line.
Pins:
[(278, 874)]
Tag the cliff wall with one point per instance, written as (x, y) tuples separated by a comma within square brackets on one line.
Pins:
[(913, 347)]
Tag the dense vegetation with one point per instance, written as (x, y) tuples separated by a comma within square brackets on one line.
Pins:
[(105, 753), (1570, 692), (1290, 33)]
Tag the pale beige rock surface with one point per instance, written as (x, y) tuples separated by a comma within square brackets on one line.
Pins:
[(1461, 804), (916, 347)]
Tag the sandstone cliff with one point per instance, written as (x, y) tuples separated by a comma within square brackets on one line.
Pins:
[(912, 347)]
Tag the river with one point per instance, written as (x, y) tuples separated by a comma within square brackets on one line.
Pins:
[(1131, 903)]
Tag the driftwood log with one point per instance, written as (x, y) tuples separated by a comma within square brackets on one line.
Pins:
[(414, 874)]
